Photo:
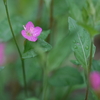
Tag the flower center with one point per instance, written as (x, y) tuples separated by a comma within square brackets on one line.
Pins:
[(29, 34)]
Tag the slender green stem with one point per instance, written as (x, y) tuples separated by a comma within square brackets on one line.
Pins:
[(89, 69), (22, 61), (87, 92), (44, 84)]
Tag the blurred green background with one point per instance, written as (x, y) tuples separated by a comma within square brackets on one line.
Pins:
[(50, 16)]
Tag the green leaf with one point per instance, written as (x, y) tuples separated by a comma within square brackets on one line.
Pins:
[(81, 43), (80, 4), (90, 29), (5, 32), (66, 76), (29, 54), (60, 52), (30, 49), (75, 62), (73, 9), (46, 46), (44, 35)]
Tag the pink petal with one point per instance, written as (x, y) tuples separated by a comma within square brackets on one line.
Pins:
[(37, 31), (28, 25), (2, 54), (23, 32), (95, 80), (31, 38)]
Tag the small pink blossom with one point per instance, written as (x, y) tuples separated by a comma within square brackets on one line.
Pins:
[(95, 80), (30, 32), (2, 54)]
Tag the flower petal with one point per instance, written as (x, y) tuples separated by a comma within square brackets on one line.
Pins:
[(95, 80), (2, 54), (31, 38), (23, 32), (37, 31), (28, 25)]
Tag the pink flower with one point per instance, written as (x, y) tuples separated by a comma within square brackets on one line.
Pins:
[(95, 80), (2, 54), (30, 32)]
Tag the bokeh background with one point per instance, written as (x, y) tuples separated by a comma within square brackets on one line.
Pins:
[(50, 15)]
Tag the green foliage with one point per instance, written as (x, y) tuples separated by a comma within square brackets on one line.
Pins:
[(90, 29), (66, 76), (31, 99), (81, 43), (58, 54), (33, 71), (80, 96), (96, 65), (73, 8), (48, 2), (1, 67), (5, 1), (68, 35), (75, 62), (61, 5), (5, 32), (44, 34), (31, 48)]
